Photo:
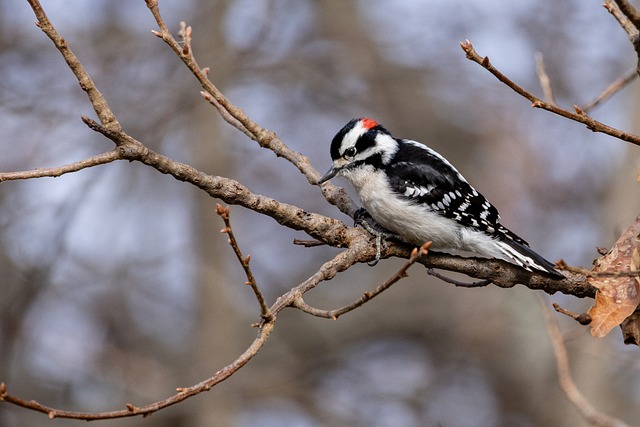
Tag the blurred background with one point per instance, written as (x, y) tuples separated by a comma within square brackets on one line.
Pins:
[(116, 285)]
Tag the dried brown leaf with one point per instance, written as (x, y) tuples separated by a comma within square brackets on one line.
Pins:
[(617, 297), (612, 307)]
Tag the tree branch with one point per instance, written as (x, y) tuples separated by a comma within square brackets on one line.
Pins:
[(328, 230), (629, 19), (480, 284), (579, 116), (146, 410), (582, 318), (99, 103), (543, 77), (244, 261), (500, 273), (367, 296), (100, 159), (622, 19), (630, 12), (616, 86)]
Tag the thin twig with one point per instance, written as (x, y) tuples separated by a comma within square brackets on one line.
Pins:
[(479, 284), (579, 115), (562, 265), (611, 90), (100, 159), (629, 19), (146, 410), (225, 114), (186, 34), (565, 379), (308, 243), (367, 296), (582, 318), (244, 261), (624, 21), (99, 103), (630, 12), (231, 113), (543, 77)]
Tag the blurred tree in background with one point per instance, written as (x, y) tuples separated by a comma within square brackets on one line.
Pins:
[(118, 287)]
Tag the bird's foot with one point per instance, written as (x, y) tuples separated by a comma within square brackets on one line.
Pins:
[(362, 218)]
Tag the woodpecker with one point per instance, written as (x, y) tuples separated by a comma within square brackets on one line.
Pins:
[(417, 195)]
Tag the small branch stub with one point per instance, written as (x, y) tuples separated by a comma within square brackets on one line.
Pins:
[(582, 318)]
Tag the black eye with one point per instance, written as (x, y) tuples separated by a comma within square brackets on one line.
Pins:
[(349, 153)]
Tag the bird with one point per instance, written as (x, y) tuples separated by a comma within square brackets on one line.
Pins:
[(417, 195)]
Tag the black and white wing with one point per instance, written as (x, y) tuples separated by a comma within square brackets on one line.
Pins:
[(422, 176)]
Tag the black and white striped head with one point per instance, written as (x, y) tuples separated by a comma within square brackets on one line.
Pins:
[(360, 142)]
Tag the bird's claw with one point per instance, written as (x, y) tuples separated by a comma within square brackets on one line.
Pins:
[(362, 218)]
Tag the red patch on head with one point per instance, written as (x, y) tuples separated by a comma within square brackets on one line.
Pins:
[(368, 123)]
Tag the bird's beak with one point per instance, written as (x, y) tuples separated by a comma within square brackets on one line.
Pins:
[(330, 174)]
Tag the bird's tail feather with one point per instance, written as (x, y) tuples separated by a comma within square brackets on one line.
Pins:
[(526, 258)]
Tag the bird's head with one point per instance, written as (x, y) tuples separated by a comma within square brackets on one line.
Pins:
[(359, 143)]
